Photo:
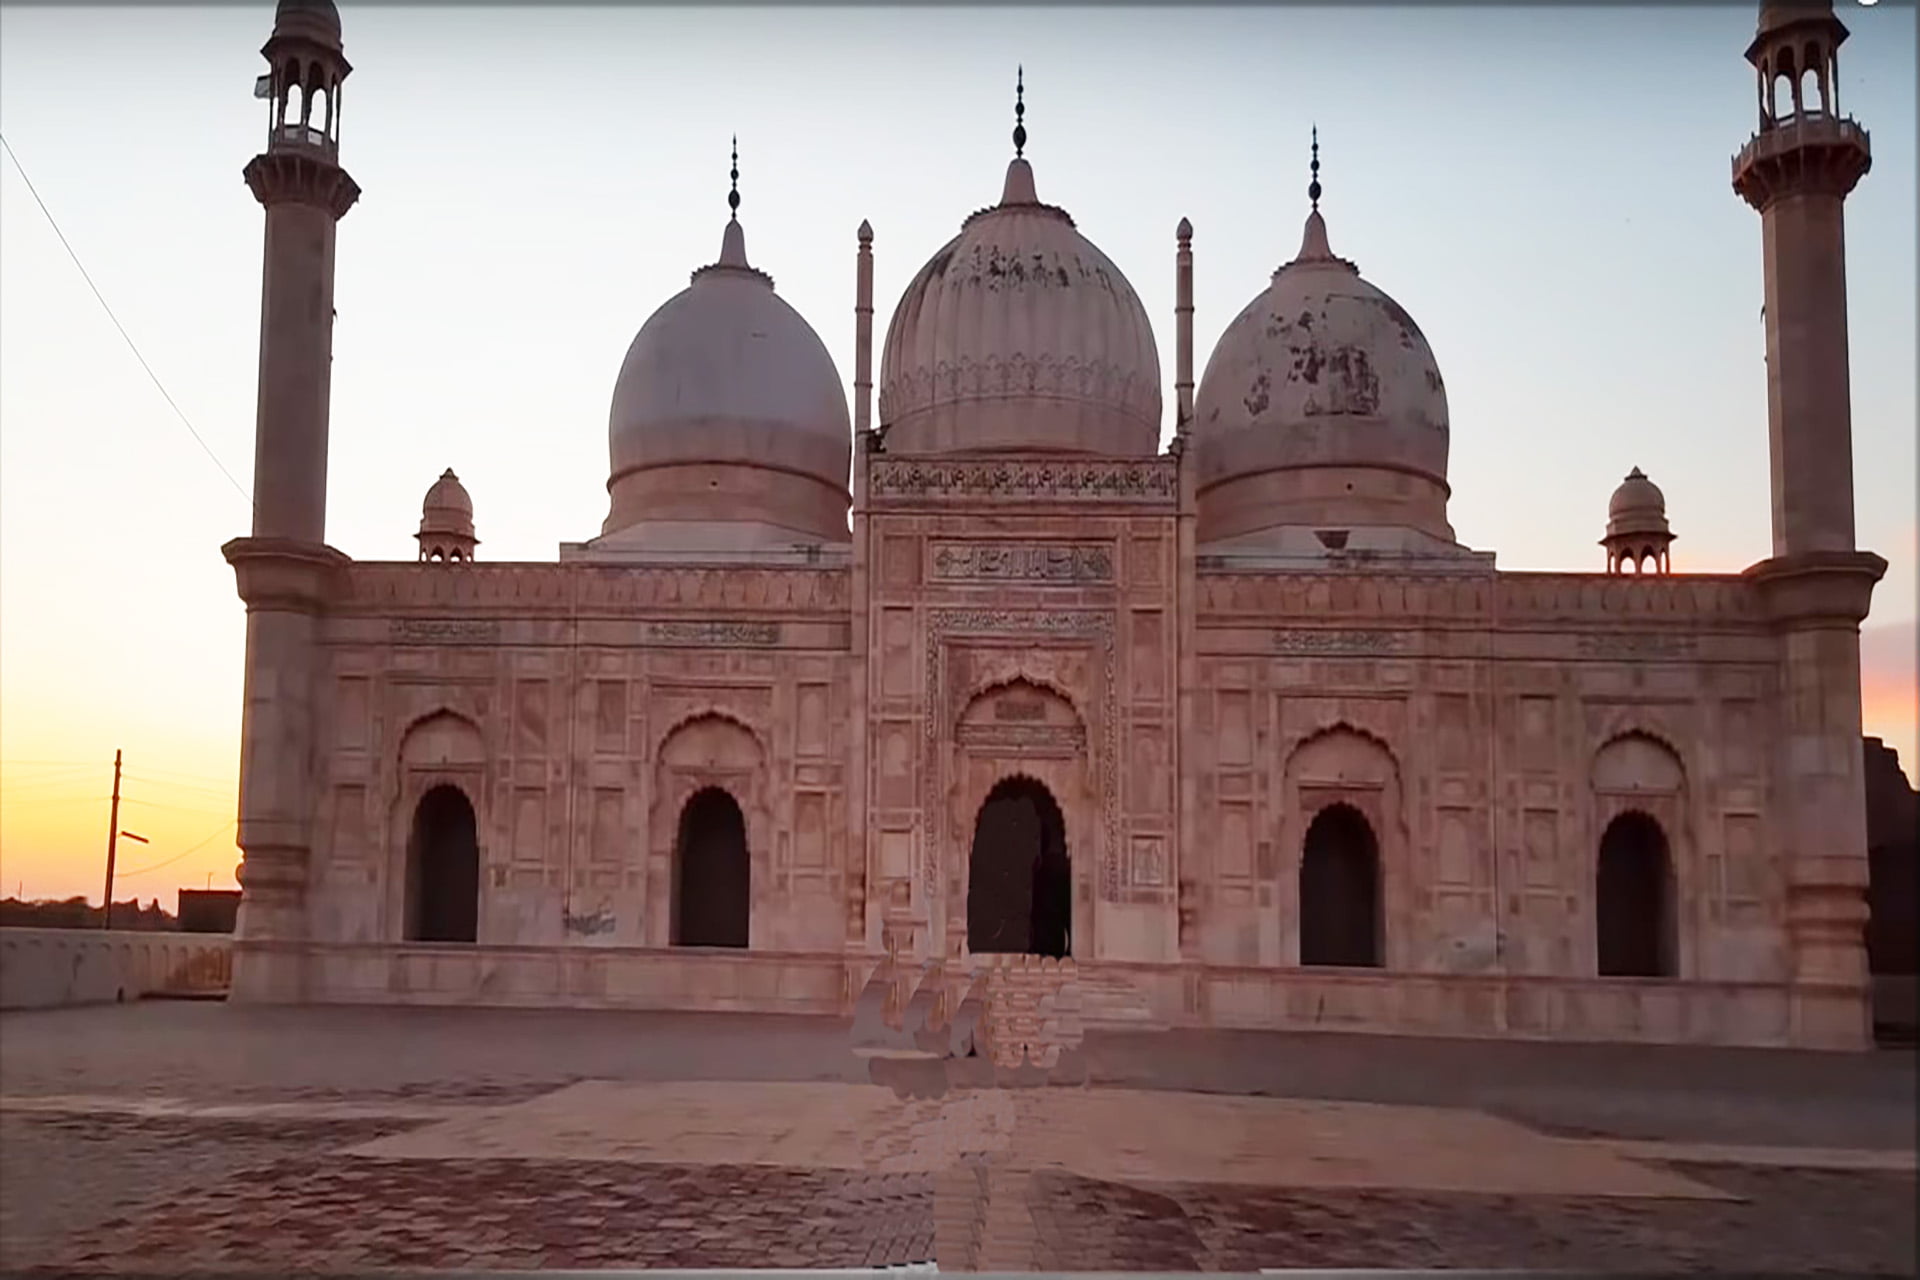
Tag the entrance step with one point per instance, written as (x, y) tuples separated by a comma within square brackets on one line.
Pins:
[(1108, 1000)]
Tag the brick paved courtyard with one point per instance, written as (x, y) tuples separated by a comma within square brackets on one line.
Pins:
[(206, 1136)]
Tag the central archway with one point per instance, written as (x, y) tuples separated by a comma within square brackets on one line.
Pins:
[(1340, 890), (712, 883), (1019, 878), (1634, 900), (443, 869)]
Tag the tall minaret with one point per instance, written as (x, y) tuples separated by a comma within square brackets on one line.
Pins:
[(285, 569), (1797, 170)]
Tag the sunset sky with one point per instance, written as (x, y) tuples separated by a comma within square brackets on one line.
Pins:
[(1546, 189)]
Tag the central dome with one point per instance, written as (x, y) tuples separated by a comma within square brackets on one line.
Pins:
[(1020, 336)]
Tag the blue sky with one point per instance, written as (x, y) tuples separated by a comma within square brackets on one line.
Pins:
[(1546, 189)]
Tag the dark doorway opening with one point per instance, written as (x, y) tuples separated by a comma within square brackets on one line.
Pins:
[(1340, 890), (1633, 900), (443, 869), (1019, 879), (712, 876)]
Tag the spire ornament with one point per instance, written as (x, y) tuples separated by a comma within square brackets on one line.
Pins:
[(733, 195), (1313, 187), (1019, 112)]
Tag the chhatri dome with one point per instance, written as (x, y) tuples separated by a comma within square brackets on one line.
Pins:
[(446, 521), (729, 428), (1638, 534), (1020, 335), (1322, 409)]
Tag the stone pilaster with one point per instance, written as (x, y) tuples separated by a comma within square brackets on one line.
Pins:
[(285, 584), (1816, 602)]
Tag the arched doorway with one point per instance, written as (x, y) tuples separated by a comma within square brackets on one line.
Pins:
[(443, 869), (1340, 890), (712, 881), (1633, 900), (1019, 879)]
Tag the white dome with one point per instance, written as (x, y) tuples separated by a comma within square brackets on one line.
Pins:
[(1020, 335), (1322, 404), (728, 409)]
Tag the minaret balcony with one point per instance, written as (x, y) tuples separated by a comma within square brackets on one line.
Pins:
[(1805, 154), (1805, 129), (294, 136)]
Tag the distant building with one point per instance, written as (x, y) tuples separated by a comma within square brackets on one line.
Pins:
[(208, 910), (982, 676)]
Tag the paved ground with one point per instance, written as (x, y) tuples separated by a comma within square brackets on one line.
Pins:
[(177, 1136)]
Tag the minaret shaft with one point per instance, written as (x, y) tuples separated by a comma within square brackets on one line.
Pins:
[(1809, 398), (296, 374)]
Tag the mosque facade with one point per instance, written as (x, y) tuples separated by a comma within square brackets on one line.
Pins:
[(976, 674)]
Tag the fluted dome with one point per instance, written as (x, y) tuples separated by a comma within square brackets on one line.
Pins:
[(1636, 507), (446, 521), (1322, 405), (1637, 530), (447, 507), (1019, 335), (728, 412)]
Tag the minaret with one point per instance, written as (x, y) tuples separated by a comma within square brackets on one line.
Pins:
[(1797, 170), (285, 569)]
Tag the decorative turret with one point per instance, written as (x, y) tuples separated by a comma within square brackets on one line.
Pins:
[(446, 522), (1637, 532)]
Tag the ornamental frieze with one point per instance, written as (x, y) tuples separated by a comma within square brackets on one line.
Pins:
[(1020, 562), (1140, 480), (1630, 645), (444, 630), (712, 633), (1342, 642)]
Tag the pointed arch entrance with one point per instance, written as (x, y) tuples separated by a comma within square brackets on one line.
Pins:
[(1634, 924), (1340, 890), (712, 873), (443, 869), (1019, 876)]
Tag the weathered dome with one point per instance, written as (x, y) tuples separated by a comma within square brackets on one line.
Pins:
[(1637, 507), (729, 411), (447, 508), (1321, 405), (1020, 335), (446, 521), (316, 20)]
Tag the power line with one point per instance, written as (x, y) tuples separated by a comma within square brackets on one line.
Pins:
[(230, 824), (22, 171)]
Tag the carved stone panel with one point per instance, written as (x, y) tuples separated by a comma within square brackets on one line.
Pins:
[(1022, 627), (1030, 562)]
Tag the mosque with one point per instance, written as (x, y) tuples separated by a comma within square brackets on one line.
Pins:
[(979, 676)]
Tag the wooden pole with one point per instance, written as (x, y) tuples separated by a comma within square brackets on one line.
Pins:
[(113, 838)]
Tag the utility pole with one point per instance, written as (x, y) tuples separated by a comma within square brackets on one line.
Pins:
[(113, 837)]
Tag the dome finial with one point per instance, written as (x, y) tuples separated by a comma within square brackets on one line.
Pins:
[(733, 194), (1313, 187), (1019, 112)]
